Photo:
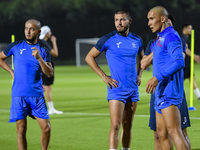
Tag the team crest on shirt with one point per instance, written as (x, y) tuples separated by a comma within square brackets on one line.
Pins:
[(21, 50), (133, 44), (118, 44)]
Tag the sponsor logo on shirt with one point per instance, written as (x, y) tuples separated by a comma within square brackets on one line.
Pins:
[(118, 44), (21, 50)]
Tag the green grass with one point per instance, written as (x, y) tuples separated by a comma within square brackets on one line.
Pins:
[(85, 125)]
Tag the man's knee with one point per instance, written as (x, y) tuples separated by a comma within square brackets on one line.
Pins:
[(156, 136), (21, 127), (47, 129), (127, 125), (115, 126)]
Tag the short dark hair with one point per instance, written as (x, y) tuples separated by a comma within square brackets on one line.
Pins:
[(123, 11), (186, 24), (173, 20)]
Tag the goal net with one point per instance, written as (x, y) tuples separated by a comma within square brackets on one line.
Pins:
[(82, 47)]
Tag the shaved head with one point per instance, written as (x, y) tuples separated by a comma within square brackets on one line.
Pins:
[(32, 30), (161, 11), (158, 19), (36, 22)]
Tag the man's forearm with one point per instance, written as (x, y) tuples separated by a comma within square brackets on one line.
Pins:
[(46, 67), (146, 61)]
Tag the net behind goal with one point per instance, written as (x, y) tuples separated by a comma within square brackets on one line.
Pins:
[(83, 46)]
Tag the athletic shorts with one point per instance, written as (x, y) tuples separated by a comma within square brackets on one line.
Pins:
[(187, 67), (47, 80), (21, 107), (124, 96), (185, 120), (164, 102)]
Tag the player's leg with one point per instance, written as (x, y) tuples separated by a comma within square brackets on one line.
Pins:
[(186, 137), (116, 112), (152, 123), (157, 144), (127, 121), (172, 119), (21, 126), (47, 89), (195, 88), (46, 132), (48, 96), (185, 120), (165, 141)]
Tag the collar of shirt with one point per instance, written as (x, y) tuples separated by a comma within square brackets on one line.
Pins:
[(165, 31)]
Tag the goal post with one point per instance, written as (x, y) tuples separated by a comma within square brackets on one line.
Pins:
[(82, 47)]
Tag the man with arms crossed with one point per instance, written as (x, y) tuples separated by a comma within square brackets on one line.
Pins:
[(185, 120), (121, 49), (167, 81), (27, 92)]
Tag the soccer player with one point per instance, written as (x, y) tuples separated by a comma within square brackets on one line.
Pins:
[(167, 81), (30, 60), (186, 32), (47, 82), (185, 121), (121, 48)]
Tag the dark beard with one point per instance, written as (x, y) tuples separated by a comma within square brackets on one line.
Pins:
[(31, 40), (122, 32)]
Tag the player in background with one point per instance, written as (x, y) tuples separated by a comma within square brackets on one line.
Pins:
[(121, 48), (185, 120), (167, 81), (47, 82), (30, 59), (186, 32)]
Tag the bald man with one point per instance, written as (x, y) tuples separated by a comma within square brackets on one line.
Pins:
[(167, 81), (30, 60)]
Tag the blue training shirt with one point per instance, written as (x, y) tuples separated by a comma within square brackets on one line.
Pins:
[(168, 64), (121, 53), (27, 70), (151, 43)]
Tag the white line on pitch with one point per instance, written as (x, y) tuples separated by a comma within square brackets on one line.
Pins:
[(97, 114)]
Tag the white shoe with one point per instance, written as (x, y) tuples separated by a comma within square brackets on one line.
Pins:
[(54, 111)]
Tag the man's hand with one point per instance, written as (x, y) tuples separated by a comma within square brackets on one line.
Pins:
[(196, 58), (138, 80), (110, 82), (53, 38), (35, 53), (151, 85)]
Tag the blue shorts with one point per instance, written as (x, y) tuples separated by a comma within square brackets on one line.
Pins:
[(164, 102), (185, 120), (124, 96), (21, 107)]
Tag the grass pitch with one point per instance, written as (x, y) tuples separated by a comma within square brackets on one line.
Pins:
[(85, 124)]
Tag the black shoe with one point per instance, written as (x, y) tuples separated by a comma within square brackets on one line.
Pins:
[(199, 98)]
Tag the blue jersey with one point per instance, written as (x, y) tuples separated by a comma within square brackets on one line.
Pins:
[(121, 53), (168, 64), (27, 70), (151, 44)]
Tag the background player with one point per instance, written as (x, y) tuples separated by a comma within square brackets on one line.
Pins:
[(47, 82), (186, 32), (27, 92), (121, 48), (167, 82), (185, 121)]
